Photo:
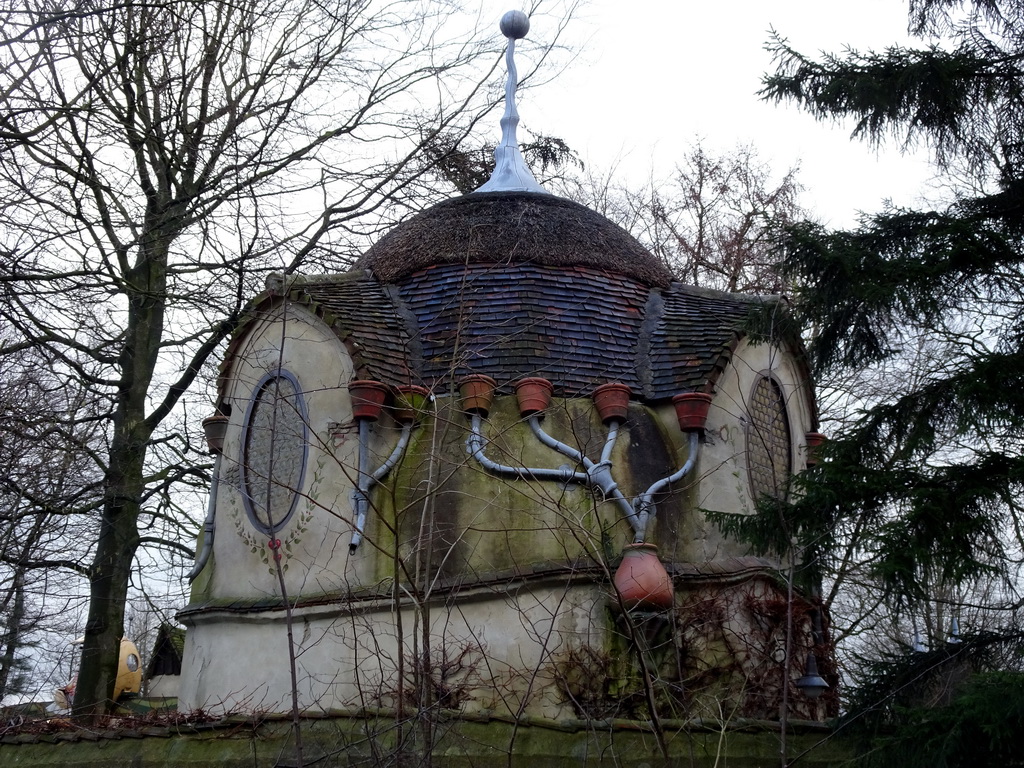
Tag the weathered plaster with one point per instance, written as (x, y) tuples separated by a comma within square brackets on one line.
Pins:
[(514, 574), (722, 482)]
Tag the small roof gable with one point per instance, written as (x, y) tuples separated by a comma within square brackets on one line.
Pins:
[(168, 650), (694, 337), (368, 318)]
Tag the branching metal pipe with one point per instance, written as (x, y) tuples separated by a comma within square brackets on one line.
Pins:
[(598, 475), (595, 475), (209, 525), (476, 444), (645, 503)]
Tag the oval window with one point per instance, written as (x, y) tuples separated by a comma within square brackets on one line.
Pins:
[(769, 447), (274, 450)]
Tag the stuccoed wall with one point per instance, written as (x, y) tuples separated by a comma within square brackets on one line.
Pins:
[(491, 647), (723, 483), (477, 523), (480, 524), (511, 576), (316, 534)]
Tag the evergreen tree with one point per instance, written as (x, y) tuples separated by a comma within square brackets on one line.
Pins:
[(958, 705), (929, 476), (923, 486)]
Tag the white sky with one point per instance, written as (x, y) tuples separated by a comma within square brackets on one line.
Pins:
[(652, 78)]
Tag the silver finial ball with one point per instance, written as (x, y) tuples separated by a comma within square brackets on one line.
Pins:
[(514, 24)]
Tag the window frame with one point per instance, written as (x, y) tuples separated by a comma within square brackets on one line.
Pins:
[(752, 429), (265, 382)]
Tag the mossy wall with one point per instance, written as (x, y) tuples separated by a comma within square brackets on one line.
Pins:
[(454, 742), (439, 508), (473, 522)]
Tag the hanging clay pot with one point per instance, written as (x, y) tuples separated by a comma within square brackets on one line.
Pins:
[(814, 442), (216, 428), (477, 392), (642, 581), (612, 401), (410, 402), (692, 410), (367, 399), (534, 395)]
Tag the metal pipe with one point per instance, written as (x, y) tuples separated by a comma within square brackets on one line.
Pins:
[(209, 525), (609, 441), (645, 503), (366, 481), (562, 448), (360, 494), (595, 475), (387, 466), (477, 442), (598, 475)]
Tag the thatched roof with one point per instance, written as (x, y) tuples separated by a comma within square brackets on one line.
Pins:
[(511, 228)]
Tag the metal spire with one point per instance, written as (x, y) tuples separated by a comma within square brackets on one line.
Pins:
[(510, 171)]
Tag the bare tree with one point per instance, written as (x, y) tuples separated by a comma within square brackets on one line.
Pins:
[(712, 220), (46, 487), (155, 160)]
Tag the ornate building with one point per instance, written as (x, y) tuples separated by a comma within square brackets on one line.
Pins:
[(444, 470)]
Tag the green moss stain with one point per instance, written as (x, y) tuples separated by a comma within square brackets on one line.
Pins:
[(460, 742), (440, 500)]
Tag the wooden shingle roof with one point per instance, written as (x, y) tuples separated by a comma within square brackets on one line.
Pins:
[(364, 314), (577, 326)]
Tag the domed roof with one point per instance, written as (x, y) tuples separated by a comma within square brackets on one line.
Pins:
[(516, 284), (511, 228)]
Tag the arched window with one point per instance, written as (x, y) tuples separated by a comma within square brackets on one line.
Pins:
[(769, 443), (274, 451)]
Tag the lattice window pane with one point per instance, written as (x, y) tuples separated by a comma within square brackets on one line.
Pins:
[(768, 440), (274, 452)]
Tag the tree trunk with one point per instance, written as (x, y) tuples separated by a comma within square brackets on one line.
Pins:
[(125, 483), (12, 636)]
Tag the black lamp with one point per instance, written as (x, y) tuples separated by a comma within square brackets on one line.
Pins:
[(812, 684)]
